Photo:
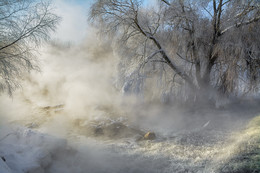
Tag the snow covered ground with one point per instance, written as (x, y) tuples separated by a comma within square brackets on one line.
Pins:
[(83, 148), (26, 150)]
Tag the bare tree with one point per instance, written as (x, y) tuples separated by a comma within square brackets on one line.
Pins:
[(24, 24), (205, 45)]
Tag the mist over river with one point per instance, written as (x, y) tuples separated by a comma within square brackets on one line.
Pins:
[(71, 117)]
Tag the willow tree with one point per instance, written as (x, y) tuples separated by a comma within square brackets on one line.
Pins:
[(24, 25), (191, 46)]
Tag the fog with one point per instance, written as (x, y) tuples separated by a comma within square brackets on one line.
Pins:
[(72, 117)]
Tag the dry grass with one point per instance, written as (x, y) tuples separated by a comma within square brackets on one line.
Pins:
[(243, 155)]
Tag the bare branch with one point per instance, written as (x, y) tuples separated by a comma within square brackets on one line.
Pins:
[(159, 61), (207, 11), (24, 25), (225, 3), (240, 24), (185, 59), (166, 2)]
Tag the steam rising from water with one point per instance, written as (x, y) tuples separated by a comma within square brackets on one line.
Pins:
[(71, 117), (96, 128)]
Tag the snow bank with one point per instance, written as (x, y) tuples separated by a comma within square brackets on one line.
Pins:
[(3, 167), (26, 150)]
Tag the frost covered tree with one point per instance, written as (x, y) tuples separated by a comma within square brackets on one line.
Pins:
[(191, 47), (24, 24)]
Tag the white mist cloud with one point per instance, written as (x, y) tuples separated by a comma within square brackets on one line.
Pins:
[(73, 27), (81, 78)]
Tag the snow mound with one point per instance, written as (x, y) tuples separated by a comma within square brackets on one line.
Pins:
[(26, 150), (3, 167)]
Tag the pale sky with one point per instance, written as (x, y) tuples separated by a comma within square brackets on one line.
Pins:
[(74, 25), (74, 13)]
